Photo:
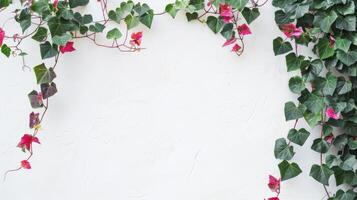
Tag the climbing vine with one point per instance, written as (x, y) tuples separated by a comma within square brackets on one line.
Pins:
[(326, 86), (56, 25)]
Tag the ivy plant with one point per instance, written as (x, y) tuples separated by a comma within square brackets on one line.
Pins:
[(56, 25), (326, 88)]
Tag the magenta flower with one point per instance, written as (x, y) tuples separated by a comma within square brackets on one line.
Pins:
[(136, 38), (226, 12), (244, 30), (329, 138), (332, 41), (330, 113), (67, 48), (2, 36), (230, 41), (273, 198), (274, 184), (236, 48), (26, 141), (55, 4), (25, 164), (291, 30)]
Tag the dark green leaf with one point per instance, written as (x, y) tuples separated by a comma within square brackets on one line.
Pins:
[(214, 24), (41, 34), (288, 170), (44, 75), (298, 137), (321, 173), (281, 47), (320, 145), (291, 111), (47, 50), (282, 150), (250, 14)]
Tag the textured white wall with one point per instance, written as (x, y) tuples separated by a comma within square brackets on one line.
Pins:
[(182, 120)]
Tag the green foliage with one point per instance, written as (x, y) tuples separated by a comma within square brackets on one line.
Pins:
[(326, 82), (281, 47), (288, 170)]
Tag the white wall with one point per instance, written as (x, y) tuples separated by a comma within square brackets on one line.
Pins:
[(182, 120)]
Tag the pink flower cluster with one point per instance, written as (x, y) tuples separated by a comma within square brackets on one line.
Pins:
[(274, 186), (226, 12)]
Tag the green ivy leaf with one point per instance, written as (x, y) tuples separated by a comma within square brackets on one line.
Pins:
[(41, 34), (76, 3), (214, 24), (288, 170), (5, 50), (296, 84), (5, 3), (346, 9), (114, 34), (348, 58), (324, 50), (320, 145), (172, 10), (292, 112), (314, 103), (97, 28), (282, 18), (250, 14), (131, 21), (343, 44), (293, 62), (347, 23), (281, 47), (227, 31), (341, 195), (325, 20), (316, 66), (238, 4), (191, 16), (298, 137), (321, 173), (47, 50), (24, 19), (147, 18), (330, 85), (312, 118), (348, 163), (44, 75), (282, 150), (61, 40)]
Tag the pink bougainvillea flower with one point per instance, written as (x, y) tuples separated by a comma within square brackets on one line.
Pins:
[(226, 12), (274, 184), (55, 4), (25, 164), (230, 41), (26, 141), (291, 30), (2, 36), (67, 48), (236, 48), (209, 4), (34, 119), (332, 41), (329, 138), (330, 112), (273, 198), (244, 30), (136, 38)]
